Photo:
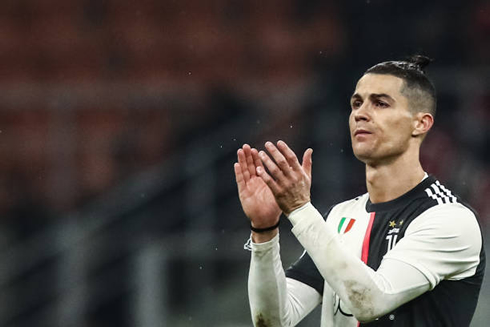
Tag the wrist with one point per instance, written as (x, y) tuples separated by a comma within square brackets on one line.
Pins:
[(264, 229), (298, 209), (264, 236)]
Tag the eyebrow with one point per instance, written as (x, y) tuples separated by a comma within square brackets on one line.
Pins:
[(373, 95)]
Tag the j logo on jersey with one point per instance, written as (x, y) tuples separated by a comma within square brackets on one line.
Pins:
[(392, 236), (345, 225)]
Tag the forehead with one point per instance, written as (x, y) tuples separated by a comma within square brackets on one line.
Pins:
[(379, 84)]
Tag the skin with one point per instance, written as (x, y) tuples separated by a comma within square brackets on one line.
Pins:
[(386, 135), (262, 198)]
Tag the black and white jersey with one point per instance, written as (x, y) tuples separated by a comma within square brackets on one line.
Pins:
[(418, 229)]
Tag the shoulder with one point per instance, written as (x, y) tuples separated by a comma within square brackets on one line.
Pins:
[(443, 209), (450, 219), (444, 242), (357, 203), (446, 210)]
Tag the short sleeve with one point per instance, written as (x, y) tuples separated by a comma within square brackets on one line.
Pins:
[(444, 243)]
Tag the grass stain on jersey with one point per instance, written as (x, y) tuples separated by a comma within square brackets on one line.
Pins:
[(359, 297), (260, 321)]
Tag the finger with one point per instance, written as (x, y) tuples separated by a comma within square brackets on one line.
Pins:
[(239, 176), (271, 183), (250, 162), (280, 160), (308, 161), (256, 158), (242, 161), (289, 154), (274, 171)]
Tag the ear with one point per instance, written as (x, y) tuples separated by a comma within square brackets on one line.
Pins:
[(422, 123)]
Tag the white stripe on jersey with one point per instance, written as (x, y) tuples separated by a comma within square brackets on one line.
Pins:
[(441, 194), (452, 198)]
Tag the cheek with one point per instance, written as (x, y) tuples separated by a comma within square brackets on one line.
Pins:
[(399, 131)]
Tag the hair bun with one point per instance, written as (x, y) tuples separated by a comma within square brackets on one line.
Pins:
[(420, 61)]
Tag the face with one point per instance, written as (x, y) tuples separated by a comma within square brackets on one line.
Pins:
[(380, 122)]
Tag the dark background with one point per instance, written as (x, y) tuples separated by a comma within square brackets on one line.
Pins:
[(120, 121)]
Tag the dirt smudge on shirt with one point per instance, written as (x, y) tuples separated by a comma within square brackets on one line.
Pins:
[(260, 321), (359, 297)]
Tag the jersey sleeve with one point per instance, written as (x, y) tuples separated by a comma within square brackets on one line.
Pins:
[(368, 294), (274, 298), (444, 243), (305, 270)]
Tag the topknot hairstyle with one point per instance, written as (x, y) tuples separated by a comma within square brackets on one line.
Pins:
[(413, 63), (417, 87)]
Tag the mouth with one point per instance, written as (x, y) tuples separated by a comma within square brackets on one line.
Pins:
[(361, 131)]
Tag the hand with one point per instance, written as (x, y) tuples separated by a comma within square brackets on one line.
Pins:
[(256, 198), (289, 181)]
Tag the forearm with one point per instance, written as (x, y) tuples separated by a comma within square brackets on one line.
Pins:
[(367, 293), (274, 299)]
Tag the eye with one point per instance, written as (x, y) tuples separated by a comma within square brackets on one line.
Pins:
[(381, 104), (356, 104)]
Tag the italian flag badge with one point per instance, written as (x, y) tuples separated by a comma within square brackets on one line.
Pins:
[(345, 225)]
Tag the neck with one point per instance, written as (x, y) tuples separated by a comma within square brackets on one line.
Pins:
[(386, 182)]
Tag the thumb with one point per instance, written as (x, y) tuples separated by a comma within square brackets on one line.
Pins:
[(307, 161)]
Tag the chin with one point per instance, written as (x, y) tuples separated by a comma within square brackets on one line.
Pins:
[(362, 158), (365, 156), (362, 152)]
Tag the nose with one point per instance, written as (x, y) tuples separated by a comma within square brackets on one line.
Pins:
[(362, 113)]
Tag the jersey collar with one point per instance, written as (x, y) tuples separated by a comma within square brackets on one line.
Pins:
[(407, 197)]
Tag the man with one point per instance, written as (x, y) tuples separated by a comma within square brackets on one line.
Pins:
[(406, 253)]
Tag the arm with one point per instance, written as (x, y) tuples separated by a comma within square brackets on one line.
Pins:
[(443, 243), (273, 297), (367, 293)]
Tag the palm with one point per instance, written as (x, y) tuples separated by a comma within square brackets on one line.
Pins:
[(258, 202)]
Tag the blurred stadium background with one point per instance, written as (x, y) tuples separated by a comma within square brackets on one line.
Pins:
[(120, 120)]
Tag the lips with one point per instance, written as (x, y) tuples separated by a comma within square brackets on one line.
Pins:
[(361, 131)]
